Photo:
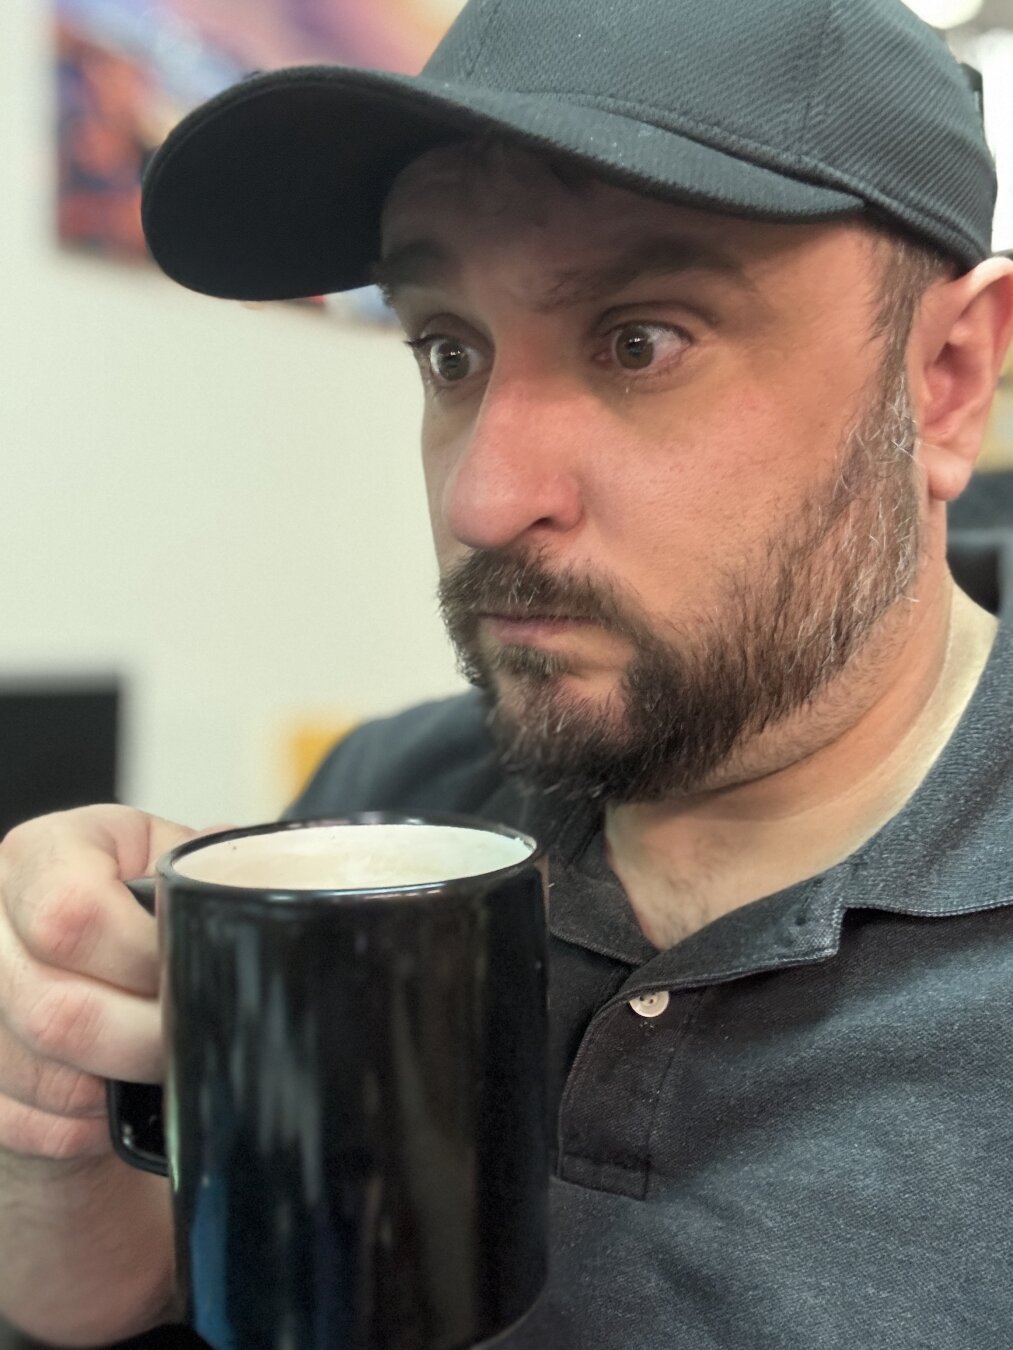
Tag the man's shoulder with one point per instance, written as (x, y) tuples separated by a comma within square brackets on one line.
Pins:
[(435, 756)]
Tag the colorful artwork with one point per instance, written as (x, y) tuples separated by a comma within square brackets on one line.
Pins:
[(127, 72)]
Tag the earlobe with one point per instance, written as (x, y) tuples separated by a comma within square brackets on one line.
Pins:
[(946, 473), (955, 358)]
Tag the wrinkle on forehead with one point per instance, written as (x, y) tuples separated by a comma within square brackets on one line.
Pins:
[(631, 258)]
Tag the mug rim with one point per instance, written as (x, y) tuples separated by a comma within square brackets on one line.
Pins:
[(165, 867)]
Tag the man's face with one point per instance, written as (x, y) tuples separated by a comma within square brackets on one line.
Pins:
[(668, 473)]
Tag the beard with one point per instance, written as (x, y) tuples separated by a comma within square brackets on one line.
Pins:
[(789, 620)]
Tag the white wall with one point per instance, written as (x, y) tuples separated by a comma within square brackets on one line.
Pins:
[(224, 505)]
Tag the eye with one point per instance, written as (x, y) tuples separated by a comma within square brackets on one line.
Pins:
[(447, 361), (641, 346)]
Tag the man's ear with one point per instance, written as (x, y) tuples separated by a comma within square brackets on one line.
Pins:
[(958, 343)]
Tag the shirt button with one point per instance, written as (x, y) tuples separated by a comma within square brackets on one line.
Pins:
[(651, 1005)]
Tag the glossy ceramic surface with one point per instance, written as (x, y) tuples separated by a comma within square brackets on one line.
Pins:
[(354, 1110)]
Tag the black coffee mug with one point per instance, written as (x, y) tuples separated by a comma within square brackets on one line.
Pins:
[(354, 1108)]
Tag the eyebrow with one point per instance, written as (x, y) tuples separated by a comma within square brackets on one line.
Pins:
[(424, 262)]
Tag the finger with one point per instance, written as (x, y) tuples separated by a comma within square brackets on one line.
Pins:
[(88, 1026), (31, 1133), (67, 904), (85, 922), (136, 840), (46, 1085)]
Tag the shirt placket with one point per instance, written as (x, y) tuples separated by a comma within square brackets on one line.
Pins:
[(616, 1085)]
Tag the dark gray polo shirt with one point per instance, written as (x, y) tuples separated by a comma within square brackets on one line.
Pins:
[(794, 1129)]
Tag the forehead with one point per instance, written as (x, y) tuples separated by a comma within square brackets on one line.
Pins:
[(492, 179), (476, 197)]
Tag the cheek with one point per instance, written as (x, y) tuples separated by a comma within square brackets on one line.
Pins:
[(436, 467), (693, 480)]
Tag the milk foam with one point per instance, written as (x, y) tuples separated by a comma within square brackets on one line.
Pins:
[(353, 857)]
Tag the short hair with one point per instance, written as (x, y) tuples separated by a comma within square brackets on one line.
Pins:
[(910, 267)]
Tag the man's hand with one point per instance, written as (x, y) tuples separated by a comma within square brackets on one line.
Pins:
[(78, 975), (85, 1241)]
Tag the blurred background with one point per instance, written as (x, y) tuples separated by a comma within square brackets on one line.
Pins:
[(215, 547)]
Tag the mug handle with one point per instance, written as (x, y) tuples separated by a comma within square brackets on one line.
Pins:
[(135, 1109)]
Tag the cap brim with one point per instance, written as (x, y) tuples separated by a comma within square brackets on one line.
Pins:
[(274, 189)]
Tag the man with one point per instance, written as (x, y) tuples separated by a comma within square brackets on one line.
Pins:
[(701, 298)]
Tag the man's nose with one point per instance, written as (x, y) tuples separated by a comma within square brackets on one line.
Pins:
[(516, 470)]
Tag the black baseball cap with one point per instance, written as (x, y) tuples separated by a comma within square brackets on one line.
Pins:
[(791, 110)]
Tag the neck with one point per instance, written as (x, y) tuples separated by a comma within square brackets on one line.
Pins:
[(859, 757)]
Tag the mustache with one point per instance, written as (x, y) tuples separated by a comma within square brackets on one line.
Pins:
[(494, 582)]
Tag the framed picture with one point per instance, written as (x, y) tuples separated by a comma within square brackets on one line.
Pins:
[(126, 73)]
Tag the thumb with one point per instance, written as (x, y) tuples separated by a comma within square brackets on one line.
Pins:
[(165, 835)]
